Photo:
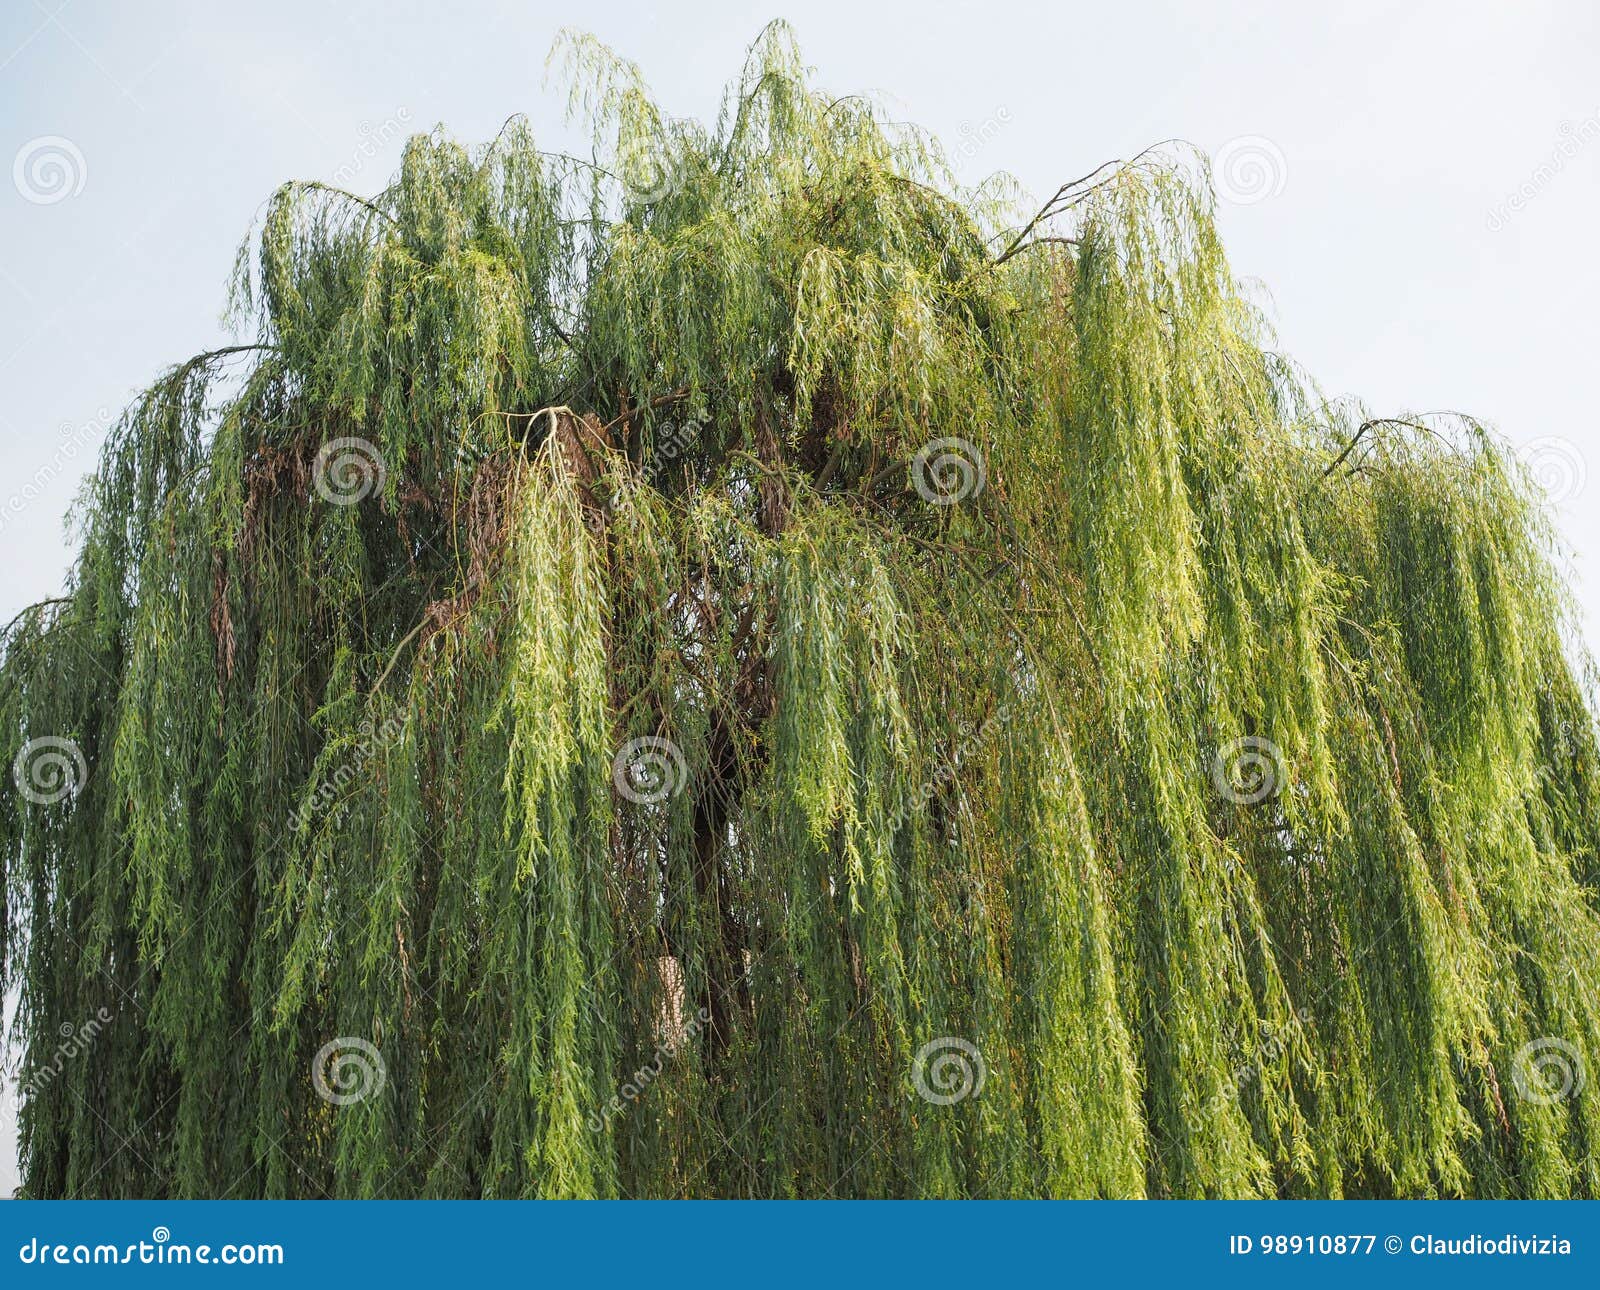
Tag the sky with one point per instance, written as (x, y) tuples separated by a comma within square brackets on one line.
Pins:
[(1412, 184)]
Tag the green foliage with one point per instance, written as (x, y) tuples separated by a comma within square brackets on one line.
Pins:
[(541, 670)]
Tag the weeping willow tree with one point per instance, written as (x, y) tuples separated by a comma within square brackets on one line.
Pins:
[(738, 666)]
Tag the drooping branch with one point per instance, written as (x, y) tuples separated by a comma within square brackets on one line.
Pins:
[(1362, 430), (1072, 193)]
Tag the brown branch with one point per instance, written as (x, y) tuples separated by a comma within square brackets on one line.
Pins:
[(1038, 241), (38, 604), (395, 657), (769, 454), (1052, 208), (660, 401), (319, 186), (831, 465), (181, 372), (1369, 425), (890, 469)]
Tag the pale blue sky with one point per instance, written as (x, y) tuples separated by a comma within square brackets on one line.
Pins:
[(1395, 137)]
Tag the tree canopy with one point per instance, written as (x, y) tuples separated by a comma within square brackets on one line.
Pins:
[(737, 665)]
